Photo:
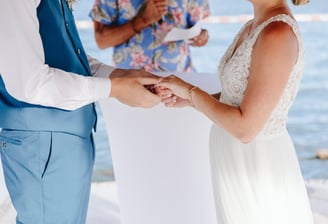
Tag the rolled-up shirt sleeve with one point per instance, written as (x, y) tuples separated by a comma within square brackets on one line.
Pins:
[(24, 72)]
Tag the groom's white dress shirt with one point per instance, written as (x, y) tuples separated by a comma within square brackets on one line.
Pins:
[(23, 69)]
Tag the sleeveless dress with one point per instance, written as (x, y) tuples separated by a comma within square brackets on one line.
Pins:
[(259, 182)]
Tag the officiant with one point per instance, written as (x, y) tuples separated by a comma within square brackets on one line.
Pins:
[(136, 30)]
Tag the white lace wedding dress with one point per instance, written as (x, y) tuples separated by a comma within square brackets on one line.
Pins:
[(259, 182)]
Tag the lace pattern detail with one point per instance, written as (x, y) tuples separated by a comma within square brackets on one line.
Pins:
[(234, 71)]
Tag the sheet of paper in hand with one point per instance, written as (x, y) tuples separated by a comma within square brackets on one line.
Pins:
[(183, 34)]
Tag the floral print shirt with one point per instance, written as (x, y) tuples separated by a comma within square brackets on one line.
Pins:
[(146, 49)]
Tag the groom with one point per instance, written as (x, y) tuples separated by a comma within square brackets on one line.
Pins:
[(47, 89)]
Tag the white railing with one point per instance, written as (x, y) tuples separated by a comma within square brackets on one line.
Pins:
[(87, 24)]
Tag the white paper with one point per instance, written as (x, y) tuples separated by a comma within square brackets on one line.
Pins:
[(161, 160), (183, 34)]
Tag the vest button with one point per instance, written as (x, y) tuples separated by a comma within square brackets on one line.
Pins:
[(3, 145), (66, 24), (78, 51)]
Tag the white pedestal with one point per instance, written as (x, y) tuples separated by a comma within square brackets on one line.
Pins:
[(161, 161)]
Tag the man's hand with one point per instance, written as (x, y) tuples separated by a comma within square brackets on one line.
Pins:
[(150, 12), (154, 10), (129, 87)]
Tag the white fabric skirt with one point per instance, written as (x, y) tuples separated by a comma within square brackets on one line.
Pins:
[(259, 182)]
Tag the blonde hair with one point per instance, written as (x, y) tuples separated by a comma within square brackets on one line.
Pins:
[(300, 2)]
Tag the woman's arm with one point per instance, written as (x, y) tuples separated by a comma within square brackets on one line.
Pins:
[(274, 55)]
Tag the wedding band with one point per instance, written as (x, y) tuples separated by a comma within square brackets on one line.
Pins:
[(174, 100)]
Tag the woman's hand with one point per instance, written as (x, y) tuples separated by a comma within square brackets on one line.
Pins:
[(175, 101), (174, 92)]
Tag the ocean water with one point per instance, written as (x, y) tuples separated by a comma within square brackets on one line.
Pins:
[(308, 117)]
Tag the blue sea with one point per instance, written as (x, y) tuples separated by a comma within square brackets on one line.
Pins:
[(308, 118)]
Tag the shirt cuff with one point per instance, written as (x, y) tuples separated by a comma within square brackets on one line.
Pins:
[(102, 80), (104, 71), (100, 87)]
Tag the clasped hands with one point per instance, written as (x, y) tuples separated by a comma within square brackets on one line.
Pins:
[(138, 88), (173, 91)]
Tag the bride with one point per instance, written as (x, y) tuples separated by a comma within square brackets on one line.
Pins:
[(256, 175)]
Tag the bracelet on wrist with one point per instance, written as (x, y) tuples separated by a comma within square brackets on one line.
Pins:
[(134, 27), (190, 91)]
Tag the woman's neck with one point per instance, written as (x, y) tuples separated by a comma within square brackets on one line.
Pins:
[(263, 10)]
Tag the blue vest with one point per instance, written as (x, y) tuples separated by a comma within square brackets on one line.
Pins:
[(63, 50)]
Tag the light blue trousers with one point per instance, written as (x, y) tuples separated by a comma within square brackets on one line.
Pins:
[(48, 175)]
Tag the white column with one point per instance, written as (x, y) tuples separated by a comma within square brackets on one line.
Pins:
[(161, 162)]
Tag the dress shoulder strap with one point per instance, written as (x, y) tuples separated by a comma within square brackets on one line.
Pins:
[(280, 18)]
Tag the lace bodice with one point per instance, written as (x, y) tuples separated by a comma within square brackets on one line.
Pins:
[(234, 72)]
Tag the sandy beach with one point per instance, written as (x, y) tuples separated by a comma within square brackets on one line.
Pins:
[(104, 204)]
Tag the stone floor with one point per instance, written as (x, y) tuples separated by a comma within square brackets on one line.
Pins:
[(104, 204)]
